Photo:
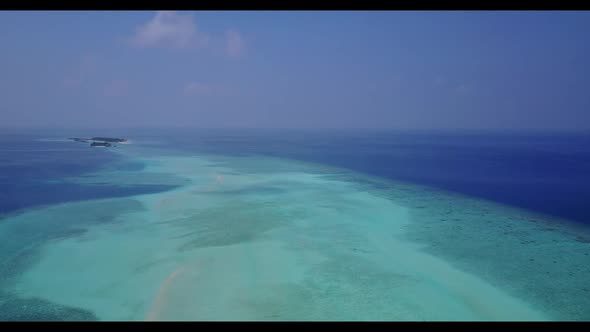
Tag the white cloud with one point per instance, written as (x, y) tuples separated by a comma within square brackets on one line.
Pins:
[(235, 45), (169, 29)]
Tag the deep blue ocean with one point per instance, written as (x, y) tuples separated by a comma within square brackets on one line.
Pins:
[(31, 170), (543, 172)]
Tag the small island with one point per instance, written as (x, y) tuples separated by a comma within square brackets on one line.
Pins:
[(99, 141), (105, 144), (109, 139)]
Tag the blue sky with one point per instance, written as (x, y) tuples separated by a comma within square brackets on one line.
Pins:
[(403, 70)]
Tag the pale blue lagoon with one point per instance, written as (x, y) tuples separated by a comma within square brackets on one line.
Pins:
[(294, 225)]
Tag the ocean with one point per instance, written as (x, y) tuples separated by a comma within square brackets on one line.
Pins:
[(295, 225)]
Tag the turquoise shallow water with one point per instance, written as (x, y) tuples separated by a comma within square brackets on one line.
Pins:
[(261, 238)]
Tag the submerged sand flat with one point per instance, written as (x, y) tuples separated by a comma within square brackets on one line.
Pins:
[(252, 238)]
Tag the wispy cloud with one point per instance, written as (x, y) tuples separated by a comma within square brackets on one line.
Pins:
[(116, 88), (169, 29), (235, 45), (202, 89)]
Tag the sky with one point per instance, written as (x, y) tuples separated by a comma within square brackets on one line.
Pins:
[(299, 69)]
